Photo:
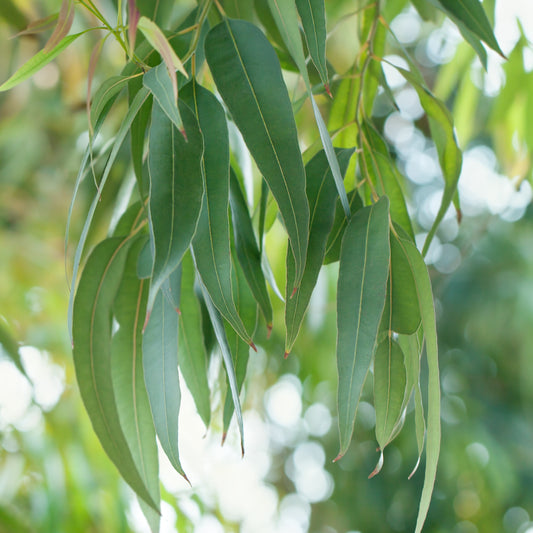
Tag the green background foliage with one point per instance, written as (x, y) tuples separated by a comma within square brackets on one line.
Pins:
[(54, 474)]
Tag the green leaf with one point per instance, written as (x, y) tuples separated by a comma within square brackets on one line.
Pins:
[(405, 310), (37, 62), (247, 73), (10, 12), (211, 243), (128, 379), (159, 11), (248, 253), (117, 143), (105, 96), (239, 349), (384, 174), (427, 312), (362, 285), (473, 16), (161, 375), (389, 389), (191, 352), (158, 81), (321, 194), (442, 133), (64, 23), (176, 190), (313, 15), (218, 326), (333, 246), (92, 323)]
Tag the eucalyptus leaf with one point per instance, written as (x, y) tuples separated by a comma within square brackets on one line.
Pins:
[(361, 291)]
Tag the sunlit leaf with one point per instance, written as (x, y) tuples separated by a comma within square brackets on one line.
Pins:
[(321, 194), (361, 290), (191, 350), (37, 62), (161, 375), (248, 252), (247, 73), (128, 379), (92, 323), (211, 243), (176, 190), (442, 133)]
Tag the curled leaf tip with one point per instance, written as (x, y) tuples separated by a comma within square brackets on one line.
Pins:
[(184, 475), (269, 330), (286, 355), (253, 346), (414, 469), (378, 468), (340, 456)]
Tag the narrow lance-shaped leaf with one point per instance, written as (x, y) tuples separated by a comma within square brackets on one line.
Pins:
[(322, 195), (117, 143), (92, 321), (161, 375), (427, 312), (247, 73), (211, 243), (128, 379), (176, 190), (191, 350), (450, 156), (239, 349), (313, 15), (248, 252), (473, 16), (64, 23), (218, 326), (363, 272), (286, 17), (37, 62)]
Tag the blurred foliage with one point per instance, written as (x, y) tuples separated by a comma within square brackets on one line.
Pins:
[(54, 477)]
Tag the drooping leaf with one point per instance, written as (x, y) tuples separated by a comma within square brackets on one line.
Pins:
[(128, 379), (161, 375), (117, 143), (473, 16), (247, 74), (405, 310), (286, 17), (211, 243), (321, 194), (333, 246), (427, 312), (106, 95), (176, 190), (64, 23), (191, 351), (363, 272), (239, 349), (442, 133), (313, 15), (36, 26), (92, 323), (218, 325), (389, 389), (158, 81), (37, 62), (248, 252)]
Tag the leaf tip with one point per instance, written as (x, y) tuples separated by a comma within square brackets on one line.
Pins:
[(178, 310), (379, 466), (286, 355), (269, 330), (328, 90), (146, 320), (294, 291), (253, 346), (414, 469), (340, 456), (224, 435)]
